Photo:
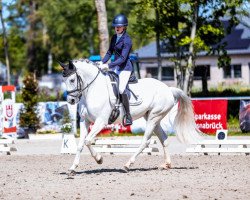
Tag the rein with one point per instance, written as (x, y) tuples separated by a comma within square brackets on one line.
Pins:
[(80, 83)]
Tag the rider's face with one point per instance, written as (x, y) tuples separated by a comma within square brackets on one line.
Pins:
[(119, 29)]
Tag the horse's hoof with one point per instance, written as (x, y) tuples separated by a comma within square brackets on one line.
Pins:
[(165, 166), (71, 173), (127, 167), (100, 161)]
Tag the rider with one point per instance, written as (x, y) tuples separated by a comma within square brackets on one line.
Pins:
[(120, 45)]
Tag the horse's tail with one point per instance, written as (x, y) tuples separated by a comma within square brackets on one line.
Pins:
[(184, 123)]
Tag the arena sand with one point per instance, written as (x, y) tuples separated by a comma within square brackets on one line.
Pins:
[(191, 177)]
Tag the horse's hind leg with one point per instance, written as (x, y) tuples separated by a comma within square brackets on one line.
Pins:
[(164, 141), (145, 142)]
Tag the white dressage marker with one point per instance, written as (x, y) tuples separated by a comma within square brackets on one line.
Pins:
[(69, 144), (87, 85)]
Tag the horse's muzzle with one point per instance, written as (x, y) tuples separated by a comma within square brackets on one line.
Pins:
[(71, 101)]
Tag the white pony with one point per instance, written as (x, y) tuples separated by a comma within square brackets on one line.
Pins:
[(87, 85)]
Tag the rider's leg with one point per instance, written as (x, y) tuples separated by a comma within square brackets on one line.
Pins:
[(125, 101), (123, 81)]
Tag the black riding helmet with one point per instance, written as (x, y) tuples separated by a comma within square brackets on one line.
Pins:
[(120, 20)]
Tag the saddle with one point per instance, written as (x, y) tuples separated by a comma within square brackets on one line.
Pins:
[(114, 79)]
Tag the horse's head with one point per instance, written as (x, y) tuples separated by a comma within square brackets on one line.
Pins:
[(72, 81)]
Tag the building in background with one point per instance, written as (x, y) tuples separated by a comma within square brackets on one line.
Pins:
[(238, 73)]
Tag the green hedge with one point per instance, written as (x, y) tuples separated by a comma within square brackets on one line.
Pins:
[(233, 105)]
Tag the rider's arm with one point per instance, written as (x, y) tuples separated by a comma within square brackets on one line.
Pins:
[(110, 50), (124, 54)]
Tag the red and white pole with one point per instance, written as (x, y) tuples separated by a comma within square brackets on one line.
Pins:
[(8, 111)]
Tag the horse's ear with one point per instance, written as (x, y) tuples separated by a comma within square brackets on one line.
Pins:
[(71, 65), (64, 66)]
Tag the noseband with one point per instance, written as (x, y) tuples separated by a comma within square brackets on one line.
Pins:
[(79, 88)]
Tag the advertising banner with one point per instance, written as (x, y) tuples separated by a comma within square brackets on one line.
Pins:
[(7, 110), (244, 116), (51, 114), (9, 116), (210, 115), (139, 125)]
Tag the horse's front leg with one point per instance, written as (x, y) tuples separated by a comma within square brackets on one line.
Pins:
[(97, 127), (84, 125)]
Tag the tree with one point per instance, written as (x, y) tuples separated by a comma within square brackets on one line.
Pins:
[(24, 18), (157, 31), (186, 27), (6, 52), (207, 33), (42, 31), (160, 20), (28, 115), (190, 61), (102, 26)]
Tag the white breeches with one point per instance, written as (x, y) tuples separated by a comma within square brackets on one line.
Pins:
[(123, 79)]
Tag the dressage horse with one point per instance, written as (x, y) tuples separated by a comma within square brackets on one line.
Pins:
[(87, 85)]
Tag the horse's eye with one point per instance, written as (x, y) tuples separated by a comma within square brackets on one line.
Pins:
[(72, 81)]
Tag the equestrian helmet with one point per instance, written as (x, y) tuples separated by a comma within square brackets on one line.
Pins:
[(120, 20)]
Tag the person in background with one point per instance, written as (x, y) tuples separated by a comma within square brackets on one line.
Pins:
[(120, 45)]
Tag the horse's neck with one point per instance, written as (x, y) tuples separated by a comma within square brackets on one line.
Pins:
[(87, 72), (91, 76), (96, 96)]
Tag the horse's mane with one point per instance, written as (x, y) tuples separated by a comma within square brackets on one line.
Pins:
[(69, 70), (84, 60)]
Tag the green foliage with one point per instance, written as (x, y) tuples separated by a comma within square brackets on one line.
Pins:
[(66, 117), (71, 27), (225, 92), (176, 20), (46, 132), (66, 128), (68, 29), (233, 124), (66, 122), (46, 94), (28, 115)]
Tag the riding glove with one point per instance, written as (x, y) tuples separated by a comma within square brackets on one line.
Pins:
[(99, 63), (104, 67)]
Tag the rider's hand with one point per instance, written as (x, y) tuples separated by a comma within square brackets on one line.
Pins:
[(104, 67), (99, 63)]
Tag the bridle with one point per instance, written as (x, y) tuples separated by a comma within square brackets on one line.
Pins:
[(79, 85)]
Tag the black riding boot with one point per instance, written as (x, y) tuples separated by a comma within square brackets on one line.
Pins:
[(127, 119)]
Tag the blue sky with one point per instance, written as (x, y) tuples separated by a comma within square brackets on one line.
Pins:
[(5, 11), (6, 2)]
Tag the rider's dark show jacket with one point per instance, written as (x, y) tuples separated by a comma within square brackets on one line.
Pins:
[(121, 50)]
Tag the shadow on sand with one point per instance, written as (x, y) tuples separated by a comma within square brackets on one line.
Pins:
[(114, 170)]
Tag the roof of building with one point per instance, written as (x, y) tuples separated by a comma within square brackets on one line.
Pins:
[(238, 42)]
